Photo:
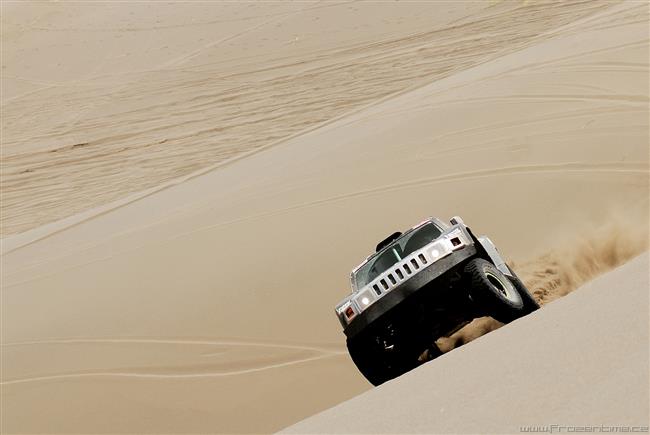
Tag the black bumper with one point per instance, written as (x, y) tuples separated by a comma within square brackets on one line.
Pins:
[(416, 283)]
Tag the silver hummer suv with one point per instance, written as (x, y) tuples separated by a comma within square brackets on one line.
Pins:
[(419, 286)]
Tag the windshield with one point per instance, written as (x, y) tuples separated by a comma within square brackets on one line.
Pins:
[(395, 252)]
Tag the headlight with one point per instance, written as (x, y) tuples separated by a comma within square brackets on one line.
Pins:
[(439, 250), (364, 299)]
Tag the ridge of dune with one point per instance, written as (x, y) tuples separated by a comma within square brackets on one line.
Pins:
[(581, 361)]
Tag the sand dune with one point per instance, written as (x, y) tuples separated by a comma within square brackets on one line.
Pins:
[(212, 83), (205, 303)]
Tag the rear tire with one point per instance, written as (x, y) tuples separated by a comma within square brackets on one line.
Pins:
[(493, 292), (530, 304)]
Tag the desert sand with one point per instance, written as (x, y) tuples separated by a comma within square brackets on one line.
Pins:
[(186, 188)]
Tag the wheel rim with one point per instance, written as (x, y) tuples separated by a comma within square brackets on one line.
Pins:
[(499, 285)]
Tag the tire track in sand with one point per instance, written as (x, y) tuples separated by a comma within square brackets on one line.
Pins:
[(188, 370)]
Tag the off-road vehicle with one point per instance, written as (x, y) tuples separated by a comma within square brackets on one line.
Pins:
[(421, 285)]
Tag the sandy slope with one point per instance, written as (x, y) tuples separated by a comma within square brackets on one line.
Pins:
[(207, 306), (582, 361), (103, 100)]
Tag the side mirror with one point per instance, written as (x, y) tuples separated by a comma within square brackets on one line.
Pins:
[(456, 220)]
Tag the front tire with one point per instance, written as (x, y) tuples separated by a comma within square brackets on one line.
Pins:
[(382, 354), (493, 292), (362, 356)]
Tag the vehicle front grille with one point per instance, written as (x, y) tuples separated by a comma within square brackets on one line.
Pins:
[(401, 271)]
